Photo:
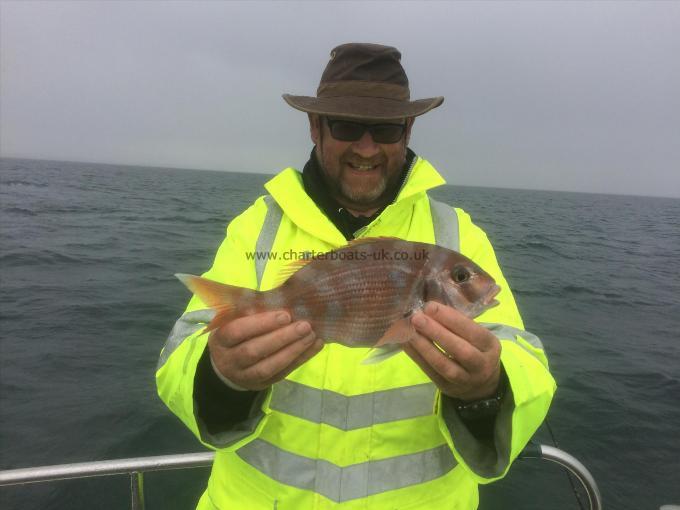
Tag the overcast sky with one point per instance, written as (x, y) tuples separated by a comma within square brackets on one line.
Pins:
[(573, 96)]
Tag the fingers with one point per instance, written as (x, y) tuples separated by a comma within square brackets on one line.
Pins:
[(458, 348), (255, 362), (466, 367), (449, 376), (463, 326), (272, 363), (238, 330), (306, 355), (436, 363), (255, 349), (425, 366)]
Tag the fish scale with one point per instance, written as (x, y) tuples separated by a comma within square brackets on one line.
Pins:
[(364, 297)]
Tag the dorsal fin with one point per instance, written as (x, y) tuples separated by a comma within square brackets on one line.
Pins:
[(293, 267), (289, 270)]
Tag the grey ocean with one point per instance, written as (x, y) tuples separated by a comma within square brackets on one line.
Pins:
[(87, 297)]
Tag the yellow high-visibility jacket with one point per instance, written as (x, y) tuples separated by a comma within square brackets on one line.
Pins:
[(338, 434)]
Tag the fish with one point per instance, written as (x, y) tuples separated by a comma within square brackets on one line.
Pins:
[(362, 294)]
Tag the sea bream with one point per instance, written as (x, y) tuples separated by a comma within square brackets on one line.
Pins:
[(360, 295)]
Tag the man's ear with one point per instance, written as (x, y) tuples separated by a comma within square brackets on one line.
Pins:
[(314, 127), (409, 125)]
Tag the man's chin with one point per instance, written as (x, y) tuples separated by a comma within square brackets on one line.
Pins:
[(363, 198)]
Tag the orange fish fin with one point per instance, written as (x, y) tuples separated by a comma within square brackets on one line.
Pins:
[(212, 293), (380, 354), (224, 314), (289, 270), (399, 332)]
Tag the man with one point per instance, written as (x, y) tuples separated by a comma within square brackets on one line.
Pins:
[(302, 424)]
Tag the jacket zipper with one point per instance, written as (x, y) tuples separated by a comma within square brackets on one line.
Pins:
[(363, 230)]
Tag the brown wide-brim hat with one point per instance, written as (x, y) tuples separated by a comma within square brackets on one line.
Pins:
[(364, 81)]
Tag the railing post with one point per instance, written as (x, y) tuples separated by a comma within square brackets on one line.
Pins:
[(570, 463), (581, 473), (137, 490)]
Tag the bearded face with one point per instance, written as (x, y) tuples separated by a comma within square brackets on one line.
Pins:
[(359, 174)]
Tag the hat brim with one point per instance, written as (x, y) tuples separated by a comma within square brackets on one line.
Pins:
[(366, 108)]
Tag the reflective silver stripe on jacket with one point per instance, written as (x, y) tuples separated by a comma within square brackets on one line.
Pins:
[(503, 331), (351, 482), (186, 325), (265, 241), (446, 234), (353, 412), (191, 322), (445, 224)]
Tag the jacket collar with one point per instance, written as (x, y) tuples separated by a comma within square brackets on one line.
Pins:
[(317, 188), (288, 190)]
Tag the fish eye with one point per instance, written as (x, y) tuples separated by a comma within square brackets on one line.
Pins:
[(460, 274)]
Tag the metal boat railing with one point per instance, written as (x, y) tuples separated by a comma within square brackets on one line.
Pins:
[(571, 464), (136, 467)]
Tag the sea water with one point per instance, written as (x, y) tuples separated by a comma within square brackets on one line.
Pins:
[(87, 298)]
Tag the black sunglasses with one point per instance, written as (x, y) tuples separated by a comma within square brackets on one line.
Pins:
[(348, 131)]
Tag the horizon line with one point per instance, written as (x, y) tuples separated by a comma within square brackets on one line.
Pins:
[(156, 167)]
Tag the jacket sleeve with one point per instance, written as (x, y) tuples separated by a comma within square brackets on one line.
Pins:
[(220, 417), (529, 384)]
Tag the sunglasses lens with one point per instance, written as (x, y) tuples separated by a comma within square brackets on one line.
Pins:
[(387, 133), (347, 131)]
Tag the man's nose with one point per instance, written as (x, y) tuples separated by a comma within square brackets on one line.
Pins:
[(365, 146)]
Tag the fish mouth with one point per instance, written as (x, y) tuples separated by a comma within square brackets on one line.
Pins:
[(489, 300)]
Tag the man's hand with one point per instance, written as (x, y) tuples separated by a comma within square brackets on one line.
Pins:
[(256, 351), (465, 362)]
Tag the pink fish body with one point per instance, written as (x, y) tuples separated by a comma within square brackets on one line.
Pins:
[(362, 294)]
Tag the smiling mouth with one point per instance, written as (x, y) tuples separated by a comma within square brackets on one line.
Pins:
[(362, 167)]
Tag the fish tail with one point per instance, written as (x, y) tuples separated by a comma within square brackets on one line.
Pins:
[(226, 300)]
